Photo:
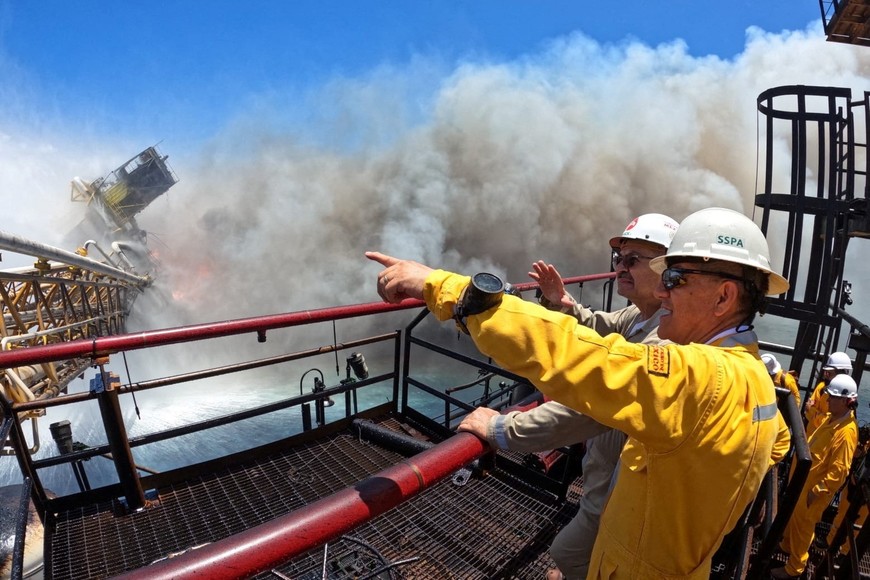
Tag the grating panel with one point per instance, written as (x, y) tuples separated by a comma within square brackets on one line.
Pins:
[(483, 530), (489, 528)]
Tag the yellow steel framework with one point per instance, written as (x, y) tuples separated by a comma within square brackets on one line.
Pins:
[(55, 303), (68, 298)]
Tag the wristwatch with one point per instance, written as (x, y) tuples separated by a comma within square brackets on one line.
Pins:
[(484, 292)]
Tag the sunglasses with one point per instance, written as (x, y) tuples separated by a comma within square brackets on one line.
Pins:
[(673, 277), (630, 260)]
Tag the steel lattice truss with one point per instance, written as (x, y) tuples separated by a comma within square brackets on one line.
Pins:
[(69, 296), (56, 303)]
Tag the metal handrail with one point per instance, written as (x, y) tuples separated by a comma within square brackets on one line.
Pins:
[(202, 374), (106, 345)]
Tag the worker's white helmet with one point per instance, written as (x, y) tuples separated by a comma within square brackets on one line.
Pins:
[(649, 227), (722, 234), (838, 361), (843, 386), (771, 363)]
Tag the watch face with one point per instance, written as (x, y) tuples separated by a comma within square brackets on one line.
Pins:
[(489, 283)]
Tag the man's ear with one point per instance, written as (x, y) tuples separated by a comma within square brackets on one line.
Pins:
[(727, 299)]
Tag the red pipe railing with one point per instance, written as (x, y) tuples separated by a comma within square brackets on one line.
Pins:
[(268, 545), (525, 286), (106, 345)]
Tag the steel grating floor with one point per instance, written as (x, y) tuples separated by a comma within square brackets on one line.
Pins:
[(489, 528)]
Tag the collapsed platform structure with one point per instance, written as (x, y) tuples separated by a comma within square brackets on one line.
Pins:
[(86, 293)]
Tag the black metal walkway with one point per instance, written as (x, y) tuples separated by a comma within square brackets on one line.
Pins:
[(489, 528)]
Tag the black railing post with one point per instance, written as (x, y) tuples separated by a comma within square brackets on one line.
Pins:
[(21, 518), (10, 428), (106, 385), (306, 417)]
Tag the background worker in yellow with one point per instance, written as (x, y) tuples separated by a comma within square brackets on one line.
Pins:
[(845, 502), (700, 415), (552, 425), (781, 378), (816, 409), (831, 447)]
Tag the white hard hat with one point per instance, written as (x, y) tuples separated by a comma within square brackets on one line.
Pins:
[(771, 363), (839, 361), (649, 227), (843, 386), (725, 235)]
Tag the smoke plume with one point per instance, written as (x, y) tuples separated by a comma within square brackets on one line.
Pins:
[(546, 157)]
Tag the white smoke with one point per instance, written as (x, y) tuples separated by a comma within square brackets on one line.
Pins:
[(544, 157)]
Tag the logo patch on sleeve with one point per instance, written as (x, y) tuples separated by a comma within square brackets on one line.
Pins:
[(658, 360)]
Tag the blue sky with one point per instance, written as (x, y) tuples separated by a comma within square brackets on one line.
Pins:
[(182, 70)]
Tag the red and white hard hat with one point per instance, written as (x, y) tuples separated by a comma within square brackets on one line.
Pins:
[(649, 227)]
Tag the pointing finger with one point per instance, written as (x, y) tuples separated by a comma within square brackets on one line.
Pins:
[(382, 259)]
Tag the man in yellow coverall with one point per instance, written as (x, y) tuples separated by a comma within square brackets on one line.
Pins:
[(846, 501), (552, 425), (816, 409), (700, 417), (831, 446)]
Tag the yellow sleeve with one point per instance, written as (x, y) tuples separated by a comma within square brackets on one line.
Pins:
[(817, 392), (442, 291), (636, 388), (783, 441), (791, 385), (815, 409), (839, 460)]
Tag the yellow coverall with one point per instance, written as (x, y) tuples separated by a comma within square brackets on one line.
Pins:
[(845, 503), (841, 515), (784, 380), (701, 422), (816, 410), (831, 447), (552, 425)]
